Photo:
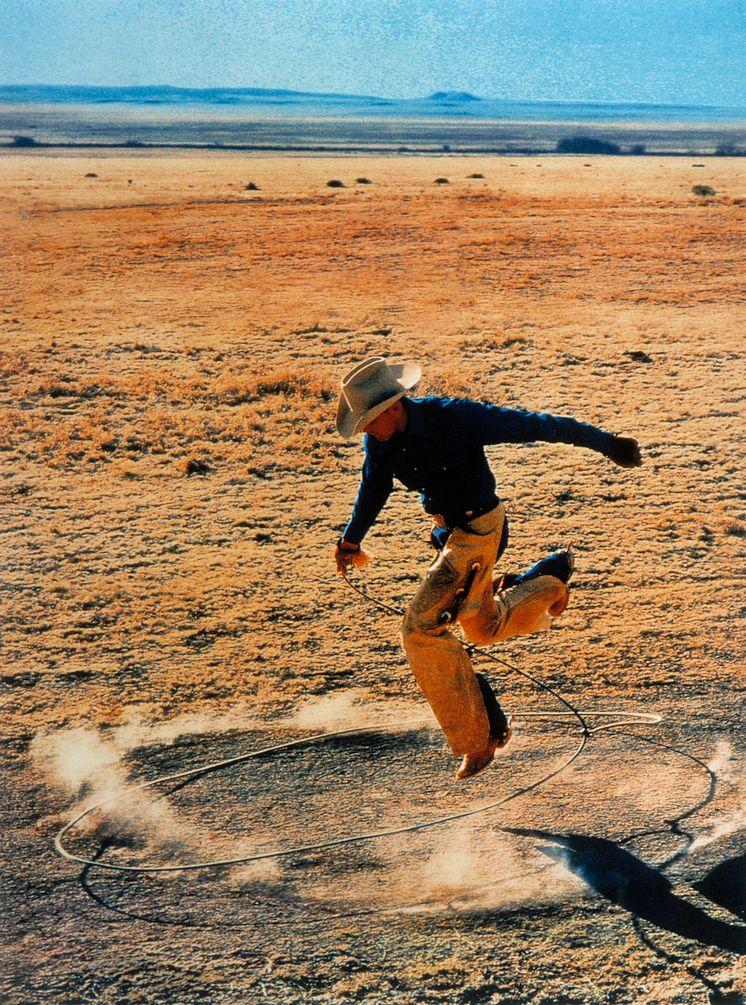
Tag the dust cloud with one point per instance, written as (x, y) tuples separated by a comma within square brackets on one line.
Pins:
[(473, 867), (354, 709), (469, 865), (90, 767), (723, 766)]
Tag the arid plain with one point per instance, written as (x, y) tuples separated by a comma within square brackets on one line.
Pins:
[(172, 486)]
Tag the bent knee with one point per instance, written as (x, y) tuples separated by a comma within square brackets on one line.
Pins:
[(481, 632), (480, 637), (416, 623)]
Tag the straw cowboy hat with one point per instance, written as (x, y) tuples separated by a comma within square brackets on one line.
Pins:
[(369, 389)]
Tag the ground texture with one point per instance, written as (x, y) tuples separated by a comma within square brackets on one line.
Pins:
[(172, 485)]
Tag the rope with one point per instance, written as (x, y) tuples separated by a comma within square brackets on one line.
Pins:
[(471, 648), (191, 774)]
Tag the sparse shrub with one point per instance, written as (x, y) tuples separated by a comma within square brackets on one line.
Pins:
[(441, 181), (24, 141), (335, 183), (363, 181), (251, 187), (135, 444), (253, 387), (639, 356), (704, 191), (586, 145), (196, 466), (476, 175)]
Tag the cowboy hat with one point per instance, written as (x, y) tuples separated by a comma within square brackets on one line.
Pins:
[(369, 388)]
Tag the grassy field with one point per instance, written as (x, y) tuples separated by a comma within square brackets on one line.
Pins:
[(172, 487)]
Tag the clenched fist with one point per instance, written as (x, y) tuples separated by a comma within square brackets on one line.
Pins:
[(625, 452), (346, 554)]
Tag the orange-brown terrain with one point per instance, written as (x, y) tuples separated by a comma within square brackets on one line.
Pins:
[(172, 487)]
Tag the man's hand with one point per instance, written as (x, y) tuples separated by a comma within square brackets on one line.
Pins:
[(347, 554), (625, 452)]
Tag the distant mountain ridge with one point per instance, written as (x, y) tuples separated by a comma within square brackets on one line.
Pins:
[(255, 102), (164, 92), (144, 93)]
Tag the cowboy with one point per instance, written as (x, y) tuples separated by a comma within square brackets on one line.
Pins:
[(435, 446)]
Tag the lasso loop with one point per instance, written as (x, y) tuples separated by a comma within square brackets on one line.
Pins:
[(620, 718)]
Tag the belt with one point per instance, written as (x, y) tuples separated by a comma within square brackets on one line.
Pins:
[(465, 516)]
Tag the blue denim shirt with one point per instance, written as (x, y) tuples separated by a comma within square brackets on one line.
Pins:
[(441, 455)]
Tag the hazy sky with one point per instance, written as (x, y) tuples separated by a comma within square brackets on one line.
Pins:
[(673, 51)]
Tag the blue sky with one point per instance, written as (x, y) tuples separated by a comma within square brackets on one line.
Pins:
[(669, 51)]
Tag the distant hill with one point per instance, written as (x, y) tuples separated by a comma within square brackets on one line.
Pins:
[(160, 94), (166, 94), (453, 96)]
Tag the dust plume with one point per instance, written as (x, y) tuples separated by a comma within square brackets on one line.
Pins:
[(479, 868), (722, 764), (91, 767), (78, 759), (138, 733), (83, 764), (469, 867), (353, 708), (83, 758)]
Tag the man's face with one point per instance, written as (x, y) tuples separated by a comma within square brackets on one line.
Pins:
[(391, 421)]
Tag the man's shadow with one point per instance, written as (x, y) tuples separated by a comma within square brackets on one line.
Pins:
[(726, 885), (623, 879)]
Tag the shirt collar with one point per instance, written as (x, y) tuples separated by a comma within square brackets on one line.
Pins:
[(415, 427), (415, 417)]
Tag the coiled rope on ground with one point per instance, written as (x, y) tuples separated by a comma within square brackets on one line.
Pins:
[(619, 718)]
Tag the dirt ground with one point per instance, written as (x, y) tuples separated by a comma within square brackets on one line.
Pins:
[(172, 485)]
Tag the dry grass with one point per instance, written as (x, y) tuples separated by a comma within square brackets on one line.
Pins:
[(172, 486), (163, 412)]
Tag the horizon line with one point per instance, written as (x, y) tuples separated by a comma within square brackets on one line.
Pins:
[(434, 95)]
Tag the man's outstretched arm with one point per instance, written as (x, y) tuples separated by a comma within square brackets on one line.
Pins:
[(495, 424)]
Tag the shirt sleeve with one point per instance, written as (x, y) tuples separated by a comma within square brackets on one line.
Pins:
[(375, 487), (494, 424)]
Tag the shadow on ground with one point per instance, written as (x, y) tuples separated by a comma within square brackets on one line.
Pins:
[(625, 880)]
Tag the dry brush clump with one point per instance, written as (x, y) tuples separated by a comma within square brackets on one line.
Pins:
[(449, 384), (185, 413), (247, 387), (290, 415)]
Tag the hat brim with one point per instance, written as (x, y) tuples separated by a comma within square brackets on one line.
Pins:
[(350, 424)]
